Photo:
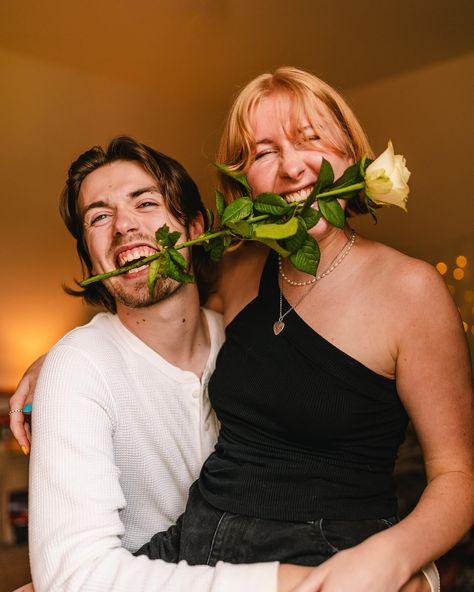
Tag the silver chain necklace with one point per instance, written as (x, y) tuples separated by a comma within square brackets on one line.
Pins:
[(279, 325)]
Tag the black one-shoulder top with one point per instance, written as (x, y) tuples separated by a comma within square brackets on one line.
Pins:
[(307, 431)]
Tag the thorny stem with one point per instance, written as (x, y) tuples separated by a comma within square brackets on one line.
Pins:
[(202, 238), (195, 241)]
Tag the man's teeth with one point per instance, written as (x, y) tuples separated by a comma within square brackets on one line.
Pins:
[(298, 195), (137, 269), (133, 254)]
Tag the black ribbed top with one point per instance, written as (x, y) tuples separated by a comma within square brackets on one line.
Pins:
[(306, 430)]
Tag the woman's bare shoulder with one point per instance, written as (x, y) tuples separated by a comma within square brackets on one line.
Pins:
[(412, 283)]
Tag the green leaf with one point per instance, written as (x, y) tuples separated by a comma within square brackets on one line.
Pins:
[(172, 238), (210, 217), (293, 243), (307, 257), (333, 212), (162, 233), (271, 203), (351, 176), (364, 163), (178, 259), (345, 196), (220, 203), (242, 228), (277, 231), (239, 177), (238, 209), (311, 217), (325, 178), (174, 272), (273, 244), (155, 271), (217, 249), (166, 238)]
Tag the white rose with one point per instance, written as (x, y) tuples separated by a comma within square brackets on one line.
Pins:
[(386, 179)]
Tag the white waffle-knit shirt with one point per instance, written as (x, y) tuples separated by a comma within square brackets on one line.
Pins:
[(119, 434)]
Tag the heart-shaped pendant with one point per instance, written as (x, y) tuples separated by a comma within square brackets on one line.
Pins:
[(278, 327)]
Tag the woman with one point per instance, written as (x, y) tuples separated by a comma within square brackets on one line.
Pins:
[(316, 380), (308, 442)]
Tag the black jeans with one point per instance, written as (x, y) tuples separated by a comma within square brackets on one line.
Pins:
[(204, 535)]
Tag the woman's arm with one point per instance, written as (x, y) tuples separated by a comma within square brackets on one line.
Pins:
[(22, 396), (434, 383)]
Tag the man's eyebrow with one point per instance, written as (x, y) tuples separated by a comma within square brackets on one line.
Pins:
[(133, 194), (148, 189), (95, 204)]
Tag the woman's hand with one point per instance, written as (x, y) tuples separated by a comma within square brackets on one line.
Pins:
[(361, 569), (21, 397)]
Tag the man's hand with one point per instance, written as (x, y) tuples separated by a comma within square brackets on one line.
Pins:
[(21, 397), (26, 588)]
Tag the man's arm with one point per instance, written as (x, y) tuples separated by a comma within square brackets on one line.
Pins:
[(76, 498)]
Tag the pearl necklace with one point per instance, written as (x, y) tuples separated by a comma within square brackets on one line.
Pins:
[(279, 325), (336, 261)]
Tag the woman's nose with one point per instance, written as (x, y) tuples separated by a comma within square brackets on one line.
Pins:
[(292, 164)]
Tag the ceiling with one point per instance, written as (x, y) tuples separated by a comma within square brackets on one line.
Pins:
[(191, 49)]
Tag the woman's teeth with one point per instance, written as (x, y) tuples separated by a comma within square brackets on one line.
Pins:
[(298, 195)]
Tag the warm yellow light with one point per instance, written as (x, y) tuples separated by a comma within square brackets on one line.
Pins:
[(32, 331), (442, 267), (469, 295), (458, 273), (465, 325), (461, 261)]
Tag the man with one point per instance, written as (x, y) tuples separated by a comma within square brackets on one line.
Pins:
[(122, 422)]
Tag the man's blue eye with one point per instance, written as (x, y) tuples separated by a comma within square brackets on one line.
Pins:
[(99, 218)]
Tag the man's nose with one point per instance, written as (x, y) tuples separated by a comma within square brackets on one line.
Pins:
[(292, 164), (124, 221)]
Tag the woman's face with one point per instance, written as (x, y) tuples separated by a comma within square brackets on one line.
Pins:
[(287, 161)]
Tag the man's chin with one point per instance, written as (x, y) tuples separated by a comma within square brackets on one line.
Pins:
[(140, 297)]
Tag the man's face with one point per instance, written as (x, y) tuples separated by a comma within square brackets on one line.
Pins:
[(122, 208)]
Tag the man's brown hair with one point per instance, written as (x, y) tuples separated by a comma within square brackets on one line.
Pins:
[(181, 198)]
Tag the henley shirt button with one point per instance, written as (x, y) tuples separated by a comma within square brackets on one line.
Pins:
[(196, 394)]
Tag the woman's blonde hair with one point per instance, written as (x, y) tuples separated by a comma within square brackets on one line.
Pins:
[(308, 94)]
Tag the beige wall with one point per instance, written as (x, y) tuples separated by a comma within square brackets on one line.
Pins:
[(51, 113), (428, 115)]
